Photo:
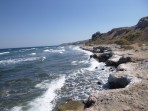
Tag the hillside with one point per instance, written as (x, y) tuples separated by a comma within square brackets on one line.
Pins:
[(123, 35), (75, 43)]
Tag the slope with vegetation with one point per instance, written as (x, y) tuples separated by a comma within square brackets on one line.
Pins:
[(123, 35)]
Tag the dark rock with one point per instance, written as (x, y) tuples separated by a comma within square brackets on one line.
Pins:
[(94, 56), (99, 82), (117, 82), (72, 106), (101, 49), (105, 56), (111, 63), (124, 60), (91, 101), (143, 23), (120, 69), (91, 56), (116, 63)]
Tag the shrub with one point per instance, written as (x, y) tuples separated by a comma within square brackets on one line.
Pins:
[(127, 47), (132, 36), (122, 42)]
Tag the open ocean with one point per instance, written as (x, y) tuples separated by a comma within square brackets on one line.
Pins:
[(39, 78)]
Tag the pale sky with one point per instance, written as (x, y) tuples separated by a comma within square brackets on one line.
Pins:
[(26, 23)]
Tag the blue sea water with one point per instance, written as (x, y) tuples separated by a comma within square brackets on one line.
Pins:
[(39, 78)]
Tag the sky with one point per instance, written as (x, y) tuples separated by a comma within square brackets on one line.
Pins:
[(25, 23)]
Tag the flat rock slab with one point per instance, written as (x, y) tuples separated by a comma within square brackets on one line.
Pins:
[(71, 106)]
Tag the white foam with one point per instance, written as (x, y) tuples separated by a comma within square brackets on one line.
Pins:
[(43, 58), (44, 102), (55, 51), (33, 54), (62, 47), (93, 65), (16, 108), (79, 49), (2, 53), (18, 60), (84, 62), (27, 49), (80, 62), (47, 50), (43, 85), (74, 62)]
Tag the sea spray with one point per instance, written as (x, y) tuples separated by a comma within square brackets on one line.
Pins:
[(44, 102)]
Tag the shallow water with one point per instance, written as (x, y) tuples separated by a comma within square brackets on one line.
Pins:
[(39, 78)]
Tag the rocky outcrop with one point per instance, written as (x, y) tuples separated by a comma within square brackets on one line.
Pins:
[(101, 49), (71, 106), (143, 23), (117, 60), (131, 98), (105, 56), (118, 31)]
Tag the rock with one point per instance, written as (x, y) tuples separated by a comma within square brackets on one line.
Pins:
[(91, 56), (113, 61), (94, 56), (105, 56), (122, 67), (132, 98), (118, 31), (124, 60), (117, 82), (71, 106), (100, 82), (117, 61), (101, 49), (143, 23), (91, 100)]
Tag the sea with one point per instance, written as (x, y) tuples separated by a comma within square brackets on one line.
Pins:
[(40, 78)]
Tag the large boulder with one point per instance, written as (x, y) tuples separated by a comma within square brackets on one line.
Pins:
[(117, 82), (117, 60), (72, 106), (113, 61)]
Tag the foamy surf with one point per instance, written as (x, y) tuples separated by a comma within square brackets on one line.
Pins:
[(79, 49), (2, 53), (33, 54), (94, 64), (14, 61), (44, 102), (55, 51)]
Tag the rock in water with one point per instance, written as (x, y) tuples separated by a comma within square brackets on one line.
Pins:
[(71, 106)]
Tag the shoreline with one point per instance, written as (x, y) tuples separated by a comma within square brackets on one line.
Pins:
[(133, 96), (127, 90)]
